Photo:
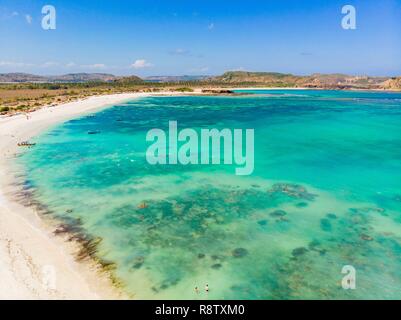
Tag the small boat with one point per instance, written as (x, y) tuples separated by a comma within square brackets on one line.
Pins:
[(93, 132), (26, 144), (142, 205)]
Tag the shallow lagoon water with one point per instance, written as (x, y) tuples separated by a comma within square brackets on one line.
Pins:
[(326, 192)]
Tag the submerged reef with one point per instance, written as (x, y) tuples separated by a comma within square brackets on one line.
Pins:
[(232, 232), (198, 227)]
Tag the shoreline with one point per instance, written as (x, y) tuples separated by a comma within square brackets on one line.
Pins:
[(28, 246)]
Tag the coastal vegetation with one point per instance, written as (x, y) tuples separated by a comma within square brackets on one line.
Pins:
[(24, 92)]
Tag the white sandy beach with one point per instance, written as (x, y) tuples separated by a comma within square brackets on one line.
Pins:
[(29, 252)]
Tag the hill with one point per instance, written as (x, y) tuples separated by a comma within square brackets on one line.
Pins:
[(317, 80), (67, 78), (230, 78), (392, 84), (20, 77), (127, 80), (183, 78), (82, 77), (272, 78)]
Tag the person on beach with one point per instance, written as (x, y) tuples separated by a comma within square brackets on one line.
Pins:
[(207, 288), (196, 290)]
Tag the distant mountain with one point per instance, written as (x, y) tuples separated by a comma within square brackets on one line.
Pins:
[(343, 81), (231, 78), (72, 77), (83, 77), (175, 78), (258, 77), (129, 79), (20, 77), (317, 80), (392, 84)]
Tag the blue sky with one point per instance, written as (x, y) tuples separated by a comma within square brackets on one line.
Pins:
[(175, 37)]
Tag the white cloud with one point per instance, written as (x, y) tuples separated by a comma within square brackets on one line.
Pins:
[(210, 26), (94, 66), (180, 52), (98, 66), (184, 52), (14, 14), (28, 18), (70, 64), (201, 69), (15, 64), (140, 64), (49, 64)]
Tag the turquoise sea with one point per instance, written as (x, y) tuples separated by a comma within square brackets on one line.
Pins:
[(325, 193)]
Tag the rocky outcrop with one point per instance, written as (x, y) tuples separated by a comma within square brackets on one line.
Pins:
[(392, 84)]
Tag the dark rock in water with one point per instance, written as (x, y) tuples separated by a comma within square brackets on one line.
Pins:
[(366, 237), (301, 205), (215, 257), (299, 251), (380, 210), (218, 91), (69, 211), (62, 228), (236, 288), (353, 210), (138, 262), (201, 255), (278, 213), (93, 132), (216, 266), (262, 222), (174, 280), (331, 216), (292, 190), (325, 225), (137, 265), (164, 286), (239, 252), (313, 244)]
